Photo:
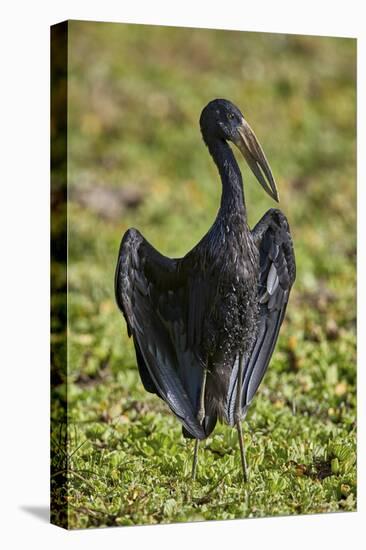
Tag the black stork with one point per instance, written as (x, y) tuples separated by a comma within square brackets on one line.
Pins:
[(205, 326)]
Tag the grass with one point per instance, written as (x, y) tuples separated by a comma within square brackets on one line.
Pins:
[(135, 95)]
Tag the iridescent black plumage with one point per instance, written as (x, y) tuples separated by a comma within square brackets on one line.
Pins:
[(206, 325)]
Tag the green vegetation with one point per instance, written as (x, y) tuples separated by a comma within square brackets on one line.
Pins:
[(136, 159)]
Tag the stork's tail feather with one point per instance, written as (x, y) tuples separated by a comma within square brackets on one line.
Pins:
[(208, 426)]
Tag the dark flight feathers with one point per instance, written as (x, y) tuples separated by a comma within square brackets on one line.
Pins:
[(152, 294), (277, 275)]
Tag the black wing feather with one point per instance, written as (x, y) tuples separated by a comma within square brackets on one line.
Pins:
[(151, 293), (277, 275), (273, 239)]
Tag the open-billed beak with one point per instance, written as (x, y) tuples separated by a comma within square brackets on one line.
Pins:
[(253, 153)]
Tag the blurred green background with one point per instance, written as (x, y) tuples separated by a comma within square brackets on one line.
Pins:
[(136, 158)]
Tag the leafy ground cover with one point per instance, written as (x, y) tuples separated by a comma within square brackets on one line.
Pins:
[(136, 159)]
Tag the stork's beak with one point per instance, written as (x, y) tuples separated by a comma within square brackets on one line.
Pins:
[(253, 153)]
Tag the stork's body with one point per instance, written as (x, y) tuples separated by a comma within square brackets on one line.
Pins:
[(204, 326)]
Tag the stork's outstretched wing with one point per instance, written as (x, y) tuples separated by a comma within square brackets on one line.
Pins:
[(151, 291), (277, 274)]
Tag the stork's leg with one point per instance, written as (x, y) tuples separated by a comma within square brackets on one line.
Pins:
[(238, 422), (200, 417), (195, 458), (242, 452)]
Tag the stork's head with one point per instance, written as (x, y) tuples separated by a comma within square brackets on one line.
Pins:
[(221, 119)]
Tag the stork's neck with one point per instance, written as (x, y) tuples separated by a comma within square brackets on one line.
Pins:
[(232, 198)]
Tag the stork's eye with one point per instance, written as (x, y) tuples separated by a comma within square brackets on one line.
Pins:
[(230, 116)]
